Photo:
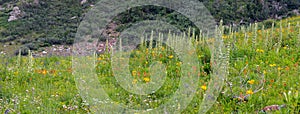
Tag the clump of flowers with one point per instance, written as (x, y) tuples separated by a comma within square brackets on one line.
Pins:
[(171, 56), (251, 82), (203, 87), (249, 92), (272, 65), (260, 51), (146, 79), (133, 73)]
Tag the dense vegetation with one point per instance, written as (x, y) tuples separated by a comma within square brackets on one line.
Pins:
[(262, 65), (55, 22)]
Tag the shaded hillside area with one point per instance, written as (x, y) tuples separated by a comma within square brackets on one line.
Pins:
[(34, 24)]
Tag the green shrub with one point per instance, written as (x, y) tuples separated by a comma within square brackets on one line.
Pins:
[(268, 23), (32, 46), (24, 51)]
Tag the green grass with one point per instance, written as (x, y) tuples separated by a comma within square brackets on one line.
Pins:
[(266, 58)]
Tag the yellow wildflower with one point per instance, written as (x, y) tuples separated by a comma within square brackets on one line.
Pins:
[(204, 87), (249, 92), (224, 37), (259, 31), (251, 82), (284, 47), (153, 53), (279, 68), (272, 65), (171, 56), (44, 72), (16, 73), (146, 79), (199, 56), (178, 63), (133, 73), (260, 51)]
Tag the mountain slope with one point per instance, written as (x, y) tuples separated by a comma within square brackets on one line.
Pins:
[(54, 22)]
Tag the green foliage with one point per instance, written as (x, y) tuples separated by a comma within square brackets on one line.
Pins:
[(269, 23)]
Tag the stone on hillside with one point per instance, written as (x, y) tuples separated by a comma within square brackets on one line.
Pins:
[(36, 2), (83, 1), (15, 14), (296, 12), (74, 17)]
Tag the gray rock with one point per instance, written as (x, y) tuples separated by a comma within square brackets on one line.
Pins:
[(15, 14), (83, 1), (36, 2)]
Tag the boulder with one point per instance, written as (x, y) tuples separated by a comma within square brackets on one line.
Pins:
[(83, 1), (15, 14), (36, 2)]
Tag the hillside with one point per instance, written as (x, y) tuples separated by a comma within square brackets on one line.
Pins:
[(35, 24)]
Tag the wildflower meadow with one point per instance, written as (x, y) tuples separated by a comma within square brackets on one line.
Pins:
[(261, 62)]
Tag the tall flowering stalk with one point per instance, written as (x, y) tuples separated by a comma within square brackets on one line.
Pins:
[(272, 34), (245, 35), (298, 40), (266, 40), (30, 61), (280, 38), (288, 30), (255, 36)]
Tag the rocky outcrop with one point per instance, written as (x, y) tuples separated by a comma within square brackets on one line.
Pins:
[(296, 12), (83, 1), (36, 2), (15, 14)]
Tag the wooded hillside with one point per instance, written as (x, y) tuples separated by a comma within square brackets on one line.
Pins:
[(31, 24)]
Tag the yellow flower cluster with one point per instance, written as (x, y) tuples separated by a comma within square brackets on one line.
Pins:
[(260, 51), (251, 82), (133, 73), (178, 63), (249, 92), (146, 79), (272, 65), (204, 87), (224, 36)]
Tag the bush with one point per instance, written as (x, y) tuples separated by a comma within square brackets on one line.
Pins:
[(24, 51), (32, 46), (24, 41), (9, 38), (268, 23), (52, 41)]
